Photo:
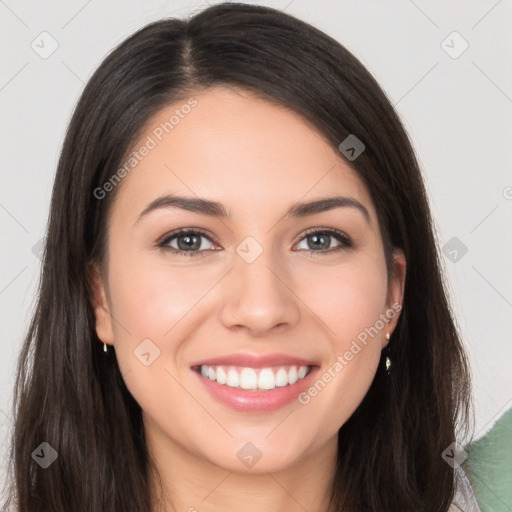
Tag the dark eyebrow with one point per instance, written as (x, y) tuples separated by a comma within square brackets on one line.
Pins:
[(215, 209)]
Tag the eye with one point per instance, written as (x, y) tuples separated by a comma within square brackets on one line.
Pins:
[(321, 238), (188, 241)]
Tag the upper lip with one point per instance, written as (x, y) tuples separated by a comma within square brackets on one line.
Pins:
[(255, 361)]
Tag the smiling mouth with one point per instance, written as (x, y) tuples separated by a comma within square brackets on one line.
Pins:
[(254, 379)]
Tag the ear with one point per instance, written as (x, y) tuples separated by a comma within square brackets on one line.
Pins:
[(395, 292), (100, 304)]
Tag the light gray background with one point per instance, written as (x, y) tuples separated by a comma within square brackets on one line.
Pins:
[(457, 112)]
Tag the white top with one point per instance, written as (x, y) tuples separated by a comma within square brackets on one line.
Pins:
[(464, 499)]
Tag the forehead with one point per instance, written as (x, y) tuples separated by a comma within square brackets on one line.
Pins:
[(228, 145)]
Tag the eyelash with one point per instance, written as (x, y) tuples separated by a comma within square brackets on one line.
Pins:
[(346, 243)]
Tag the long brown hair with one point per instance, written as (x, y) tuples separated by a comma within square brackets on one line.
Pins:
[(71, 395)]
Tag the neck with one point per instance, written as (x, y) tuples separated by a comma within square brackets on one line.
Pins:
[(188, 482)]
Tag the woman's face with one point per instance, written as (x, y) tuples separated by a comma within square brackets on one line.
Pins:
[(255, 283)]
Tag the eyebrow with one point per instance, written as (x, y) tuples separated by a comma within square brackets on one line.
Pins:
[(216, 209)]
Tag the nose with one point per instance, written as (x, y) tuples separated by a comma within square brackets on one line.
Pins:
[(259, 296)]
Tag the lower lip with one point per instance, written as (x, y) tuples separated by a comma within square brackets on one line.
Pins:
[(257, 401)]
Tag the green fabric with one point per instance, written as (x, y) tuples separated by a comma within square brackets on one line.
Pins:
[(489, 467)]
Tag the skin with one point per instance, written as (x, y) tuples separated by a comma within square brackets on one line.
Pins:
[(257, 159)]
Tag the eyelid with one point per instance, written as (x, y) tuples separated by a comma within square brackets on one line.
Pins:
[(345, 240), (331, 231), (171, 234)]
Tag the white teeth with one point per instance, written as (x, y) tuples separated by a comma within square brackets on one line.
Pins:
[(254, 379), (222, 378), (266, 379), (292, 375), (248, 379), (281, 378), (233, 380)]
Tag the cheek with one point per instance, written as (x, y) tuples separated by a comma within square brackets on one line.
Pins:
[(351, 297), (152, 297), (151, 302), (351, 301), (154, 301)]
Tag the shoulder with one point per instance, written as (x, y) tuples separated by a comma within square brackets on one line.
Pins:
[(464, 499)]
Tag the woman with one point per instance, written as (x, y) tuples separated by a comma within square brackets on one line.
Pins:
[(257, 374)]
